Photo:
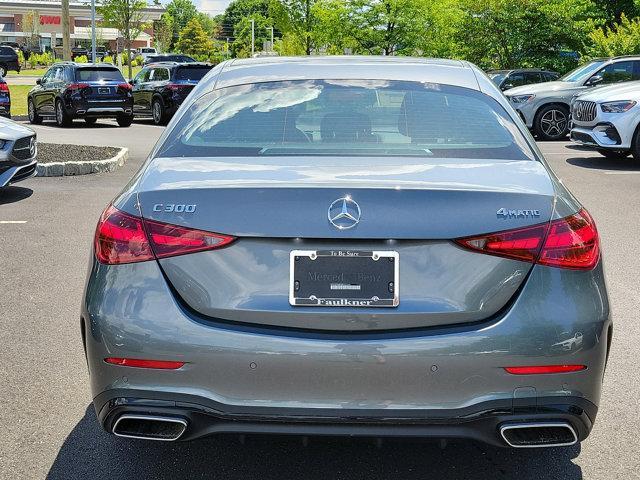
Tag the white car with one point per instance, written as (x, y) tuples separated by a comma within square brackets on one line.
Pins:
[(607, 118), (144, 52)]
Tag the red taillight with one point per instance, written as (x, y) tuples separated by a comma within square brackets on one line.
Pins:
[(570, 242), (140, 363), (4, 87), (77, 86), (120, 238), (543, 369), (170, 240), (124, 238), (125, 86)]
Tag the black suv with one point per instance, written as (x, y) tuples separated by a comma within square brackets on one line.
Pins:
[(81, 90), (79, 52), (160, 88), (167, 57), (506, 79), (8, 60)]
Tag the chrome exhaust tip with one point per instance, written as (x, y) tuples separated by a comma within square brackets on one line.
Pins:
[(537, 435), (81, 112), (148, 427)]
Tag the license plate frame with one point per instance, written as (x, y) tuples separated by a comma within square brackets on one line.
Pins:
[(104, 90), (355, 285)]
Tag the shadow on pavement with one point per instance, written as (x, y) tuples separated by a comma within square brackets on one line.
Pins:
[(88, 452), (603, 163), (12, 194)]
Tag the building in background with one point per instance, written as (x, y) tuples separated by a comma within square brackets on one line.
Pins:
[(48, 30)]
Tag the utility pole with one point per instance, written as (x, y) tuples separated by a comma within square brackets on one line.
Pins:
[(271, 28), (93, 31), (66, 32), (253, 37)]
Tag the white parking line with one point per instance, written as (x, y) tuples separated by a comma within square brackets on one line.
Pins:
[(12, 221)]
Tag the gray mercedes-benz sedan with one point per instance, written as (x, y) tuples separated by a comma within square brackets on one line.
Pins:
[(18, 150), (347, 246)]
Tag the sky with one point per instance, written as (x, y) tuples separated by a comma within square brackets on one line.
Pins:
[(212, 7)]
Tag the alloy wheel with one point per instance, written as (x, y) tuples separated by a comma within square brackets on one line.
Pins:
[(157, 113), (553, 123), (59, 116)]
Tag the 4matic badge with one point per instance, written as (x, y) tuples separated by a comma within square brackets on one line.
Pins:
[(509, 213)]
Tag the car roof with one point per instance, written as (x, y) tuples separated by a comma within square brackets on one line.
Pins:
[(533, 70), (168, 63), (433, 70), (84, 65)]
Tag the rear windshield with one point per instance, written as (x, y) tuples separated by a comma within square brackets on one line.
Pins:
[(147, 50), (191, 73), (96, 74), (346, 117)]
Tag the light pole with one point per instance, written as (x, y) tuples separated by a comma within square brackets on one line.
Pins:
[(253, 37), (271, 28), (93, 31)]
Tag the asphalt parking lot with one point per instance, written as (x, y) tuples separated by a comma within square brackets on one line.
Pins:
[(48, 427)]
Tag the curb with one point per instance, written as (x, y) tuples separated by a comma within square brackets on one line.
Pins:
[(59, 169)]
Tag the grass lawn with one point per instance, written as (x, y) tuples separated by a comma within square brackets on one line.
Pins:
[(36, 72), (19, 99)]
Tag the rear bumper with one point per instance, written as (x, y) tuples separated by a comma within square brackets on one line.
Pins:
[(479, 422), (100, 108), (437, 381)]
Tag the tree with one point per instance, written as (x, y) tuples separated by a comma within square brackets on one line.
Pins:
[(525, 33), (613, 10), (621, 39), (31, 26), (385, 26), (238, 11), (128, 17), (163, 32), (296, 18), (241, 46), (194, 40), (182, 12)]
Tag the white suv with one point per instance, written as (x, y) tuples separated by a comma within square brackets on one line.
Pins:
[(607, 119)]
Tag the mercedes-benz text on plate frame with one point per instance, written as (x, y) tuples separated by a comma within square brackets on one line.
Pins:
[(344, 278), (344, 213), (371, 244)]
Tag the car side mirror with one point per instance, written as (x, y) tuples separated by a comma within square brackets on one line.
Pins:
[(596, 79), (132, 82), (507, 86), (39, 81)]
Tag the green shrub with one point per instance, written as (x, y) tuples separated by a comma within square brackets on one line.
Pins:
[(21, 58), (41, 60), (81, 59), (108, 59)]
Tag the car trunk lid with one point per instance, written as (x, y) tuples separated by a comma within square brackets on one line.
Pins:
[(407, 206)]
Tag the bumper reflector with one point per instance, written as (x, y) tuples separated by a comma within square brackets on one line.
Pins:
[(139, 363), (542, 369)]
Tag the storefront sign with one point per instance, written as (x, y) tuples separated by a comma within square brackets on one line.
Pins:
[(49, 20)]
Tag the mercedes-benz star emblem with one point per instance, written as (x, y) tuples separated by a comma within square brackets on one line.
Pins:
[(344, 213)]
